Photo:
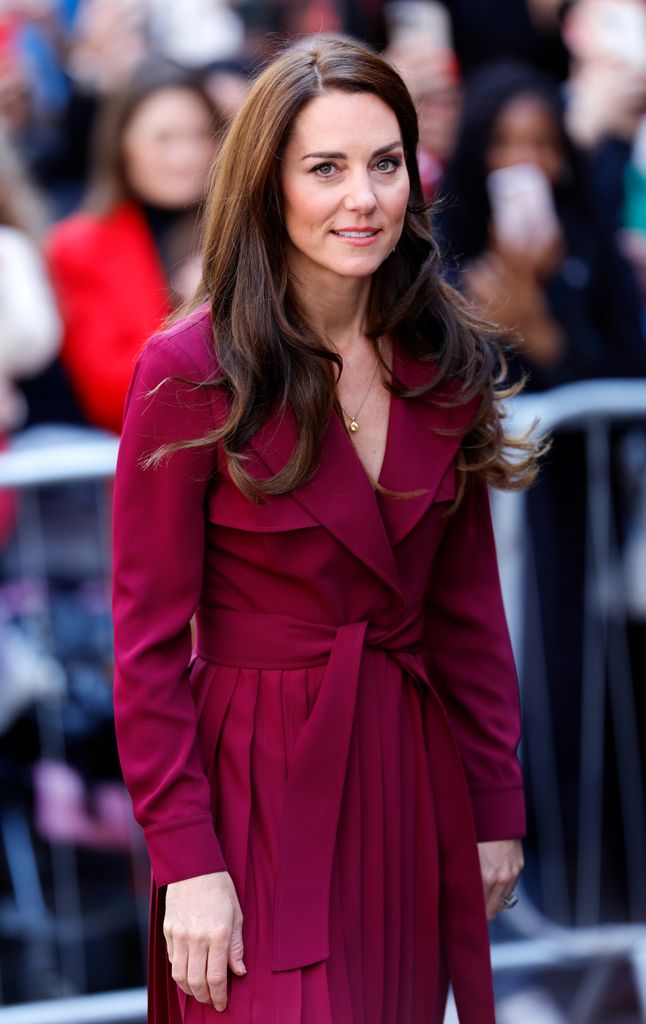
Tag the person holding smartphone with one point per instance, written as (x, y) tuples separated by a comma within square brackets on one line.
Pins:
[(530, 246)]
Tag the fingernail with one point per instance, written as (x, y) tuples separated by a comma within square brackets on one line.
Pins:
[(241, 967)]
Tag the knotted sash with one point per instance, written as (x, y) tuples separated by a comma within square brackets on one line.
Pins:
[(314, 787)]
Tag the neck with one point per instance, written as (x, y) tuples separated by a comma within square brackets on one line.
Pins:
[(335, 306)]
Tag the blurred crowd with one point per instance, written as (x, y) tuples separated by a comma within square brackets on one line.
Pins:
[(533, 143), (532, 151)]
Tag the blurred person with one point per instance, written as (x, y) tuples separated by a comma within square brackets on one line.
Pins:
[(632, 237), (34, 88), (523, 30), (421, 49), (104, 41), (544, 265), (607, 81), (30, 328), (304, 464), (606, 92), (195, 32), (568, 292), (109, 42), (128, 259)]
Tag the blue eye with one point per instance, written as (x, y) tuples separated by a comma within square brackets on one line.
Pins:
[(324, 170), (388, 164)]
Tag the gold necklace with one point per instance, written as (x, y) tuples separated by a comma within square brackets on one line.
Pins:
[(354, 420)]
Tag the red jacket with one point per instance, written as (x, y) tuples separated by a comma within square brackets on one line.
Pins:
[(113, 295), (320, 577)]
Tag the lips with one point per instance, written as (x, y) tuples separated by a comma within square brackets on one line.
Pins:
[(356, 232)]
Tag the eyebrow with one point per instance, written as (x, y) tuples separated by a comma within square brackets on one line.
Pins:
[(342, 156)]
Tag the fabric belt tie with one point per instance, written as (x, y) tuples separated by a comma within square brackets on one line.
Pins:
[(315, 782)]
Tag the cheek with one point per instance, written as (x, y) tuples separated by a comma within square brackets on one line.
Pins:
[(140, 165), (305, 210), (397, 203)]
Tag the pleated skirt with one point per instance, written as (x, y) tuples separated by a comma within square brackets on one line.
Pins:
[(385, 964)]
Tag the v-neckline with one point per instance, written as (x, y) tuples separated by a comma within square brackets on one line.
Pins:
[(387, 445)]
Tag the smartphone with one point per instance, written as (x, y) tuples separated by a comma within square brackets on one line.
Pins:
[(522, 206), (415, 21)]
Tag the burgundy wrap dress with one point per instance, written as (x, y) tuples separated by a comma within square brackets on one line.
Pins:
[(341, 727)]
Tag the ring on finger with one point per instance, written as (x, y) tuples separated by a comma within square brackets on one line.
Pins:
[(509, 902)]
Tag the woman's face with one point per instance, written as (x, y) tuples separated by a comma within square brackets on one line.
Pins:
[(168, 146), (345, 186), (525, 132)]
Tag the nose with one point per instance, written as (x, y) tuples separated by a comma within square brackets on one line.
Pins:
[(360, 197)]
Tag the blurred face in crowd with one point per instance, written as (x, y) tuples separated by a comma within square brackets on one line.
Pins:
[(525, 132), (432, 79), (345, 186), (168, 146)]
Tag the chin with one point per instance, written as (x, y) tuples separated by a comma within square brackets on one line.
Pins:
[(179, 200), (358, 268)]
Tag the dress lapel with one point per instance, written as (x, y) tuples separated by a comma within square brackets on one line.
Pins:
[(339, 495), (417, 457)]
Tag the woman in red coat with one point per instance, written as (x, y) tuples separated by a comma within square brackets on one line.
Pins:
[(334, 757), (122, 264)]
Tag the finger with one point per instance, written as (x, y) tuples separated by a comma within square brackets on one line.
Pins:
[(216, 973), (503, 891), (496, 890), (494, 905), (236, 946), (196, 970), (179, 968), (168, 936), (493, 901)]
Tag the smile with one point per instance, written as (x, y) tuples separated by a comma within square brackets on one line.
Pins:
[(358, 236)]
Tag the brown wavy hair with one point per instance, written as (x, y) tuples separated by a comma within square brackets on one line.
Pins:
[(268, 354)]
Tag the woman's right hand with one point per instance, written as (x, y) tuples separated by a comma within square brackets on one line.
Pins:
[(203, 932)]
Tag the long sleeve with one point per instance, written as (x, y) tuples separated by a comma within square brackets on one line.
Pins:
[(112, 296), (30, 333), (158, 569), (469, 654)]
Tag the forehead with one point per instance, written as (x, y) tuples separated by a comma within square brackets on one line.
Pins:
[(168, 102), (344, 121), (525, 114)]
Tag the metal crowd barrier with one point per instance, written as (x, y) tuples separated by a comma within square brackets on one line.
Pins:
[(539, 942), (609, 729), (56, 560)]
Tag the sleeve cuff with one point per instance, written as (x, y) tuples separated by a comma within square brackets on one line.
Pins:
[(183, 849), (499, 813)]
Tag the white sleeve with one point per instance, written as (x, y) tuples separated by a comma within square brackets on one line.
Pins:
[(30, 326)]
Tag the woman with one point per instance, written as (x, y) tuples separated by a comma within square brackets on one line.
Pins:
[(303, 766), (131, 251), (570, 295)]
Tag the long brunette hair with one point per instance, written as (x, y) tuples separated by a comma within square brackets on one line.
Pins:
[(267, 353)]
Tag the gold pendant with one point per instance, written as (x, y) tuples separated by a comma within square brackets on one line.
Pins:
[(354, 426)]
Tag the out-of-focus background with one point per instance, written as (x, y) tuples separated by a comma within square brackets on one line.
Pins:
[(533, 144)]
